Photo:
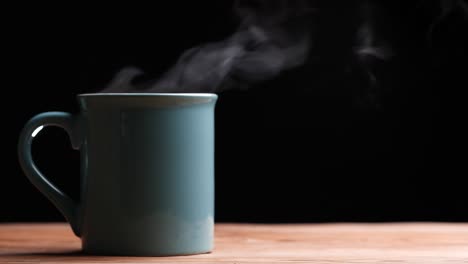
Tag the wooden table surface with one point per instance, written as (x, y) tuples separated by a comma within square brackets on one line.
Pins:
[(252, 243)]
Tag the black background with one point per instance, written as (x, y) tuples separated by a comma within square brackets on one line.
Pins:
[(315, 144)]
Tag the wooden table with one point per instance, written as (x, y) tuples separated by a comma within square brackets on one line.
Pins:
[(252, 243)]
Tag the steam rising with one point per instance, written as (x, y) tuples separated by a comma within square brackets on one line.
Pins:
[(370, 48), (273, 36), (445, 9)]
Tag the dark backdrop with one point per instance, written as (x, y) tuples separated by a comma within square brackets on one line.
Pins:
[(317, 143)]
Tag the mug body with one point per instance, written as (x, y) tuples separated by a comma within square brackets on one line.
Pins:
[(147, 174)]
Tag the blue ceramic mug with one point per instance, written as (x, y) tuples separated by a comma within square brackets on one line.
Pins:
[(147, 172)]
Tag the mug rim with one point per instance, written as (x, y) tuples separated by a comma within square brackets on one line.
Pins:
[(148, 94)]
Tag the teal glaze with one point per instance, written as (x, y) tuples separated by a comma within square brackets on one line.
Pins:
[(147, 172)]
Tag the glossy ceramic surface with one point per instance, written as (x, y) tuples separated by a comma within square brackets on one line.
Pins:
[(147, 179)]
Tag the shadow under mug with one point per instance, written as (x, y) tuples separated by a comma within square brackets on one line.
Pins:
[(147, 172)]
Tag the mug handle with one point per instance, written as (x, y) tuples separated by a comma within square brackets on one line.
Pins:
[(71, 124)]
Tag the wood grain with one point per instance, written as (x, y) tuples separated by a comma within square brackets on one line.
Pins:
[(253, 243)]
